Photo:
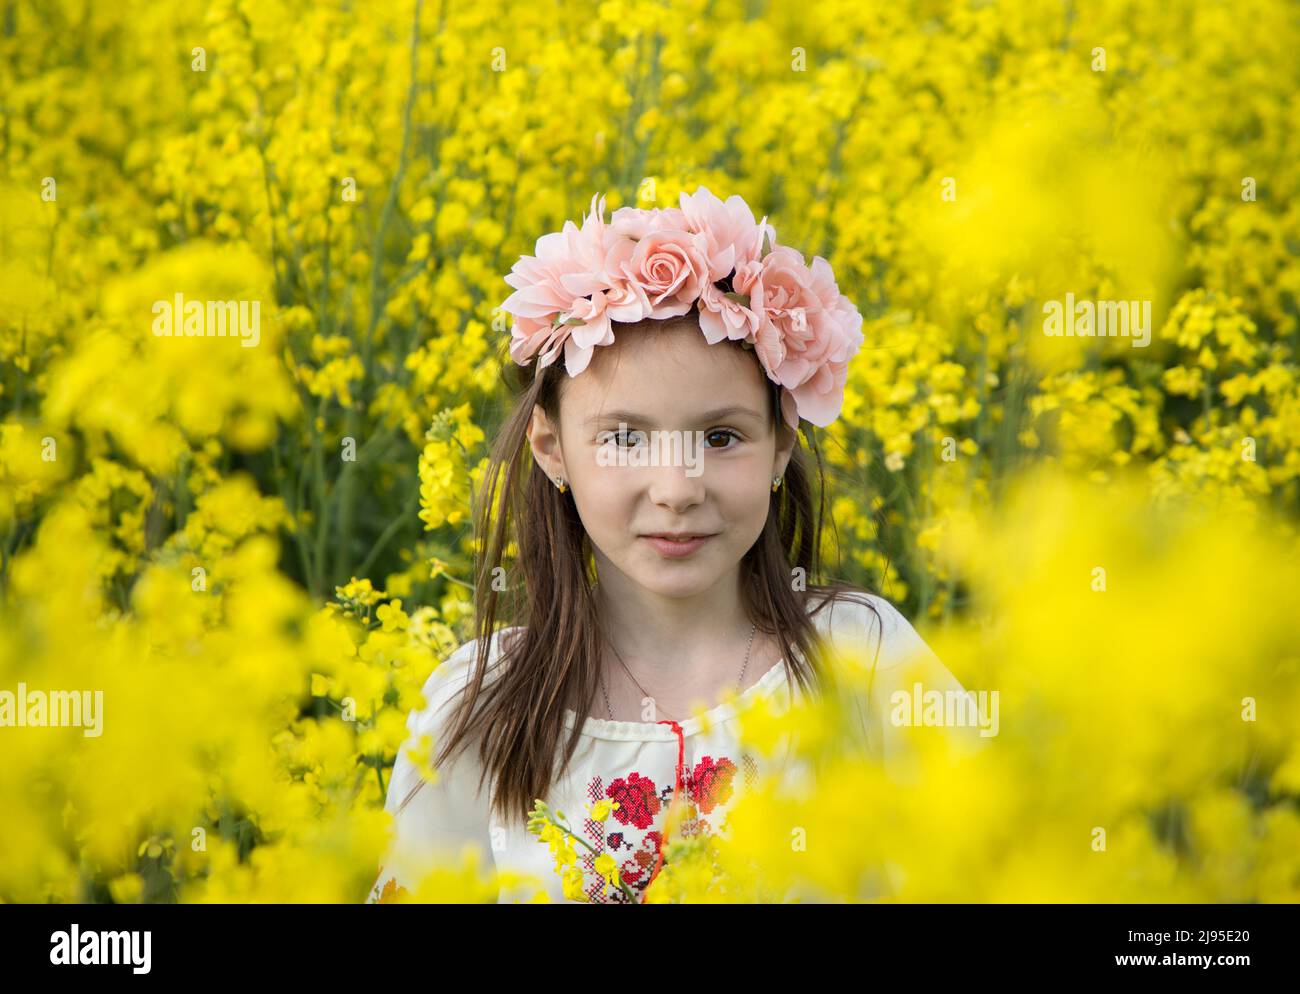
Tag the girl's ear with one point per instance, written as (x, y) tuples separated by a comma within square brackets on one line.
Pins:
[(786, 440), (545, 441)]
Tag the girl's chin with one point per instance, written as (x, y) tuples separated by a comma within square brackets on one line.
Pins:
[(680, 587)]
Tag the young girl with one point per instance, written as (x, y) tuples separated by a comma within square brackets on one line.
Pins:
[(648, 580)]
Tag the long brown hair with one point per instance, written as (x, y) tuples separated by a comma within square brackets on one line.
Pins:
[(518, 719)]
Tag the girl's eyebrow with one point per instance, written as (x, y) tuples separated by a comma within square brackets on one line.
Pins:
[(707, 416)]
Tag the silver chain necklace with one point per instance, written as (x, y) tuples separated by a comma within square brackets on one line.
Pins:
[(748, 649)]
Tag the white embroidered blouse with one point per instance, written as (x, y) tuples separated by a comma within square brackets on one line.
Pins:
[(634, 763)]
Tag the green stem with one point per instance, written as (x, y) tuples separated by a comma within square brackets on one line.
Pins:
[(453, 579), (322, 506), (304, 553), (390, 531)]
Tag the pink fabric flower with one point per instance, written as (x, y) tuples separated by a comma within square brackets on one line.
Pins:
[(635, 223), (670, 266), (529, 336), (808, 334), (733, 243), (577, 280), (724, 317), (731, 237), (559, 273)]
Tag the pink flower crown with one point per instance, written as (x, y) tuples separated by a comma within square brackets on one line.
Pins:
[(660, 263)]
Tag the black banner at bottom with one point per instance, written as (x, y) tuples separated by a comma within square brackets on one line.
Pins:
[(144, 943)]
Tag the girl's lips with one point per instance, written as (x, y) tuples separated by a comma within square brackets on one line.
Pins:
[(676, 550)]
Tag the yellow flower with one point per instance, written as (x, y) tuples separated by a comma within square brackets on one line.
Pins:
[(420, 755), (572, 881), (359, 591), (607, 867), (392, 616)]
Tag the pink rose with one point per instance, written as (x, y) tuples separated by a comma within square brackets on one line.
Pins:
[(809, 334), (625, 300), (788, 294), (670, 266)]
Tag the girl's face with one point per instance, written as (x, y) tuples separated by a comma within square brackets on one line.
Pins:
[(709, 472)]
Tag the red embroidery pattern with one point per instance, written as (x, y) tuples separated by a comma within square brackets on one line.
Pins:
[(628, 835), (710, 784), (638, 803)]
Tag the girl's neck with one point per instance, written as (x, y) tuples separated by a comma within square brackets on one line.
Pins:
[(680, 653), (664, 637)]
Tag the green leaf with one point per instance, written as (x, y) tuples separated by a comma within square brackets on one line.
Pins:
[(740, 298)]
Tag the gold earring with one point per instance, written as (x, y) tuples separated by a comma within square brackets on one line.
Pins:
[(776, 483), (559, 482)]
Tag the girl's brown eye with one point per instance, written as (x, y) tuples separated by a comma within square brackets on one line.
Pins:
[(624, 439), (726, 433)]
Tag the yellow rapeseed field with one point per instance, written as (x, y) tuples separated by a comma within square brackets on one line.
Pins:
[(258, 548)]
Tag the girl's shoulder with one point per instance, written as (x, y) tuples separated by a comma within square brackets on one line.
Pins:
[(442, 689), (860, 621), (455, 673)]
